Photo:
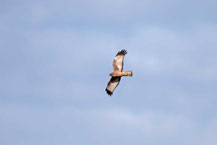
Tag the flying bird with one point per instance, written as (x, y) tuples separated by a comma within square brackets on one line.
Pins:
[(117, 73)]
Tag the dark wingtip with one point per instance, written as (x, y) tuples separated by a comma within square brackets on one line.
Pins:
[(122, 52), (109, 92)]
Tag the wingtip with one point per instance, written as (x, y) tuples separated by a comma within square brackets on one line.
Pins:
[(109, 92), (122, 52)]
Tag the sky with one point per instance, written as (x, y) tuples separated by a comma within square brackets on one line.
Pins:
[(56, 57)]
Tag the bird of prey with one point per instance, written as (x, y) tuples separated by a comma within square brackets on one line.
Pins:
[(117, 73)]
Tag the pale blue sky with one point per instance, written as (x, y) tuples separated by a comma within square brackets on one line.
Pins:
[(56, 56)]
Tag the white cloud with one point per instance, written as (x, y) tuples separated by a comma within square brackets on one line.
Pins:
[(117, 119), (56, 57)]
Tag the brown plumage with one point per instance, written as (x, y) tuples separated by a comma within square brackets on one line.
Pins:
[(117, 73)]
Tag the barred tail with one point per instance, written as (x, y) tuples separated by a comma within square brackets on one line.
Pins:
[(129, 73)]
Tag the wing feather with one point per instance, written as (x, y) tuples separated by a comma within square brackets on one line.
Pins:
[(112, 84), (119, 61)]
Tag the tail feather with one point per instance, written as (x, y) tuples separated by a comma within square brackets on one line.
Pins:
[(129, 73)]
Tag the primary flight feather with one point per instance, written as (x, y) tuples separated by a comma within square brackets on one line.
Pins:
[(117, 73)]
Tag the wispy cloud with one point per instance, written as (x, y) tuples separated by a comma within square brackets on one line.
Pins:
[(56, 56)]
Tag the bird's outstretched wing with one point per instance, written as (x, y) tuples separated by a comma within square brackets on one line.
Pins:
[(118, 62), (112, 84)]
